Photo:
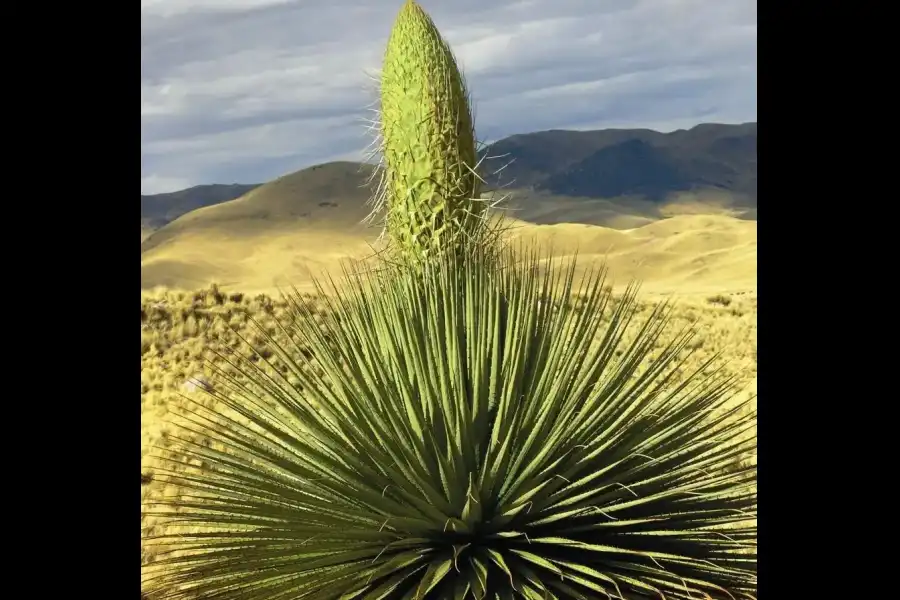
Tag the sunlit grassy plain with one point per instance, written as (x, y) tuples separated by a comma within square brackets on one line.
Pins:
[(704, 261), (179, 330)]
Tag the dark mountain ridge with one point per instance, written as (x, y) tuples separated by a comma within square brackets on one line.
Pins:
[(159, 209), (629, 162), (607, 163)]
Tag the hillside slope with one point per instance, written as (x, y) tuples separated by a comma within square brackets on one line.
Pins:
[(296, 222), (159, 209), (619, 165), (631, 162), (307, 224)]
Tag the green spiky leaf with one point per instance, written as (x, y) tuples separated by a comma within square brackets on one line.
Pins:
[(466, 433)]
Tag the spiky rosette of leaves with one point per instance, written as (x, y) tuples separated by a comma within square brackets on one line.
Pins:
[(467, 433), (429, 192)]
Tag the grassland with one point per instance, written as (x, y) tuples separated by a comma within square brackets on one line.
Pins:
[(209, 274), (180, 330), (306, 223)]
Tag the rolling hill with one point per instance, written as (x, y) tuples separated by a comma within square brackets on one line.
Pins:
[(299, 222), (160, 209), (676, 211), (631, 162), (639, 167), (305, 224)]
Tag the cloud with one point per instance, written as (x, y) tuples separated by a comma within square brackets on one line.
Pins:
[(247, 90), (154, 184)]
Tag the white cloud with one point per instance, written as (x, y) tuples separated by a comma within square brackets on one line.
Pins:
[(246, 90), (167, 8), (154, 184)]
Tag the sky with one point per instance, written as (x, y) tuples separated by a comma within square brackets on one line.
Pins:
[(244, 91)]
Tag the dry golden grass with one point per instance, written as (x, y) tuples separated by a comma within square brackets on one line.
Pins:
[(282, 234), (180, 329), (693, 254), (685, 254), (303, 225)]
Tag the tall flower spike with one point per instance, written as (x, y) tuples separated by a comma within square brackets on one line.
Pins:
[(429, 186)]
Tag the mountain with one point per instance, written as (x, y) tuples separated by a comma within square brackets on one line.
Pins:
[(159, 209), (630, 162), (330, 196), (621, 165), (309, 223), (299, 221)]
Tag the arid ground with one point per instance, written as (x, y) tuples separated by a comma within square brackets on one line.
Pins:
[(213, 269)]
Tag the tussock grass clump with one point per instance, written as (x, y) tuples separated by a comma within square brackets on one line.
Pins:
[(720, 299)]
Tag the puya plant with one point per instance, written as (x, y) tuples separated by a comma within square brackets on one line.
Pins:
[(429, 192), (465, 435), (459, 430)]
